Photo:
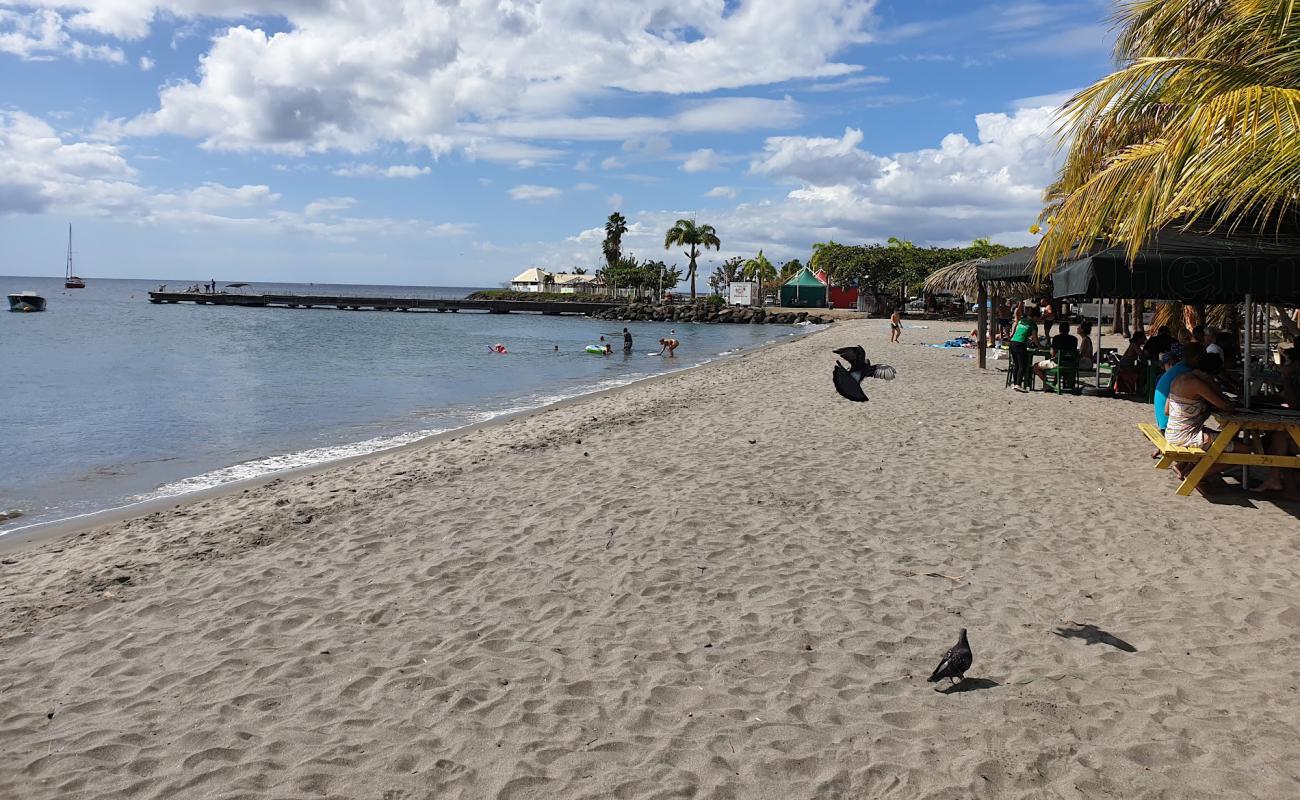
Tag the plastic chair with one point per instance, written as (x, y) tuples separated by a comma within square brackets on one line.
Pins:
[(1065, 371)]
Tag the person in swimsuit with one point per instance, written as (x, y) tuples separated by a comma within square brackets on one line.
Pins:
[(627, 341), (667, 344), (1193, 396), (895, 326)]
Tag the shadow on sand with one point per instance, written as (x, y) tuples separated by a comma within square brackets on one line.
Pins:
[(1094, 635), (969, 685)]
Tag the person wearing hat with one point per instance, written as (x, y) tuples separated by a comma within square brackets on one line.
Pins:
[(1174, 365)]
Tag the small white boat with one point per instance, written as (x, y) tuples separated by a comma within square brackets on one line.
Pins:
[(26, 301), (71, 281)]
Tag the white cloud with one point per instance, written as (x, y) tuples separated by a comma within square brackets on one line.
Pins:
[(614, 201), (375, 171), (721, 191), (42, 33), (701, 161), (611, 163), (818, 160), (585, 187), (532, 193), (328, 205), (38, 171), (41, 173), (438, 75), (146, 63), (960, 190)]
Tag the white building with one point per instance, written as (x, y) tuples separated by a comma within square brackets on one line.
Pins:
[(531, 280), (566, 283)]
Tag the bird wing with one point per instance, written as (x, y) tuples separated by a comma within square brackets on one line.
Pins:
[(855, 355), (884, 372), (945, 668), (848, 388)]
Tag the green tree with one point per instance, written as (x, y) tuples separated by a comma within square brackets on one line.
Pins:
[(612, 247), (579, 270), (686, 233), (1200, 122), (789, 269)]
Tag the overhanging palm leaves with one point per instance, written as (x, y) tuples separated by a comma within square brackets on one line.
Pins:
[(687, 233), (1201, 123)]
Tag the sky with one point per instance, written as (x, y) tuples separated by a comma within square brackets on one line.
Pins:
[(459, 142)]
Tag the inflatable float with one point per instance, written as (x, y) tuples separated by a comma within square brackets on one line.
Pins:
[(497, 348)]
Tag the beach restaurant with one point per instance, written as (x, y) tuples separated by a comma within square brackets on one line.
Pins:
[(1194, 267)]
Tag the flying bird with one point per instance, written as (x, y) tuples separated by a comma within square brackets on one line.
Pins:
[(955, 662), (848, 382)]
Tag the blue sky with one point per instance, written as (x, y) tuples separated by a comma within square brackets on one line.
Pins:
[(459, 143)]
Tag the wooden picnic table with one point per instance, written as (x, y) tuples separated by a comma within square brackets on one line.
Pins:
[(1255, 426)]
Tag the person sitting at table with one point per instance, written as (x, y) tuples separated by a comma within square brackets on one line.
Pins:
[(1174, 365), (1291, 376), (1206, 335), (1086, 356), (1193, 396), (1128, 375), (1061, 342), (1159, 344)]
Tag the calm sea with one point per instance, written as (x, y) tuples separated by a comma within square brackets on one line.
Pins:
[(107, 399)]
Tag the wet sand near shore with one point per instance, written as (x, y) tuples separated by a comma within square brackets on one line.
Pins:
[(727, 583)]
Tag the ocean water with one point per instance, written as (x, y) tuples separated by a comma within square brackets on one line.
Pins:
[(107, 399)]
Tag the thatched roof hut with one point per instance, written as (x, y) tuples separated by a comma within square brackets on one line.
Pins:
[(962, 278)]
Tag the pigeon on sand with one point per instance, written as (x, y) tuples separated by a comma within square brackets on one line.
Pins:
[(955, 662)]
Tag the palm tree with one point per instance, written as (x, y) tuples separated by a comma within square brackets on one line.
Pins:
[(612, 247), (687, 233), (760, 270), (1200, 123), (579, 270)]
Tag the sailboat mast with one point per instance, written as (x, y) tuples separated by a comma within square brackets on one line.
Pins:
[(69, 275)]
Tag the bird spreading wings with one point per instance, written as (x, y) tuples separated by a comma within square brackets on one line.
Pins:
[(848, 382), (955, 662)]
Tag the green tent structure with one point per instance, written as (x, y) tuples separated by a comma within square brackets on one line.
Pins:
[(804, 290)]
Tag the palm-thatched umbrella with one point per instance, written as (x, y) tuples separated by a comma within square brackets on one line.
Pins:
[(963, 277), (960, 277)]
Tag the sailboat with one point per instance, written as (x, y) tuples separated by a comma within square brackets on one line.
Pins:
[(71, 281)]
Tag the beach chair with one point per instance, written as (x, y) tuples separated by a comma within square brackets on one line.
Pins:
[(1065, 372)]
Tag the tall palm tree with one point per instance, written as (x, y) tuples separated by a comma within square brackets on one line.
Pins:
[(687, 233), (761, 271), (1200, 123), (612, 247)]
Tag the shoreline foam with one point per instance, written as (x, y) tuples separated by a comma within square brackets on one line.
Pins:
[(258, 471)]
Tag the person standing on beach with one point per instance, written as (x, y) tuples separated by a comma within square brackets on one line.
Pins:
[(627, 341), (1025, 334), (895, 326)]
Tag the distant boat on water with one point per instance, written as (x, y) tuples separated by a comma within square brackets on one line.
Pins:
[(26, 301), (70, 281)]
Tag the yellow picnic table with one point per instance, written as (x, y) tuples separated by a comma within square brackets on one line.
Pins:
[(1254, 425)]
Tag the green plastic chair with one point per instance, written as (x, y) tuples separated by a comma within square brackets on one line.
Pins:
[(1065, 372)]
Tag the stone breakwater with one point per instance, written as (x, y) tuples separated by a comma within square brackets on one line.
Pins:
[(702, 311)]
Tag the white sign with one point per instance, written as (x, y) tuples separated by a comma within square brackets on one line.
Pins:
[(741, 293)]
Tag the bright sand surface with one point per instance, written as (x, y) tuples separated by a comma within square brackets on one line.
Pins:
[(712, 585)]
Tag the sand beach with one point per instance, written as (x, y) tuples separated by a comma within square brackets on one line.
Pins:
[(727, 583)]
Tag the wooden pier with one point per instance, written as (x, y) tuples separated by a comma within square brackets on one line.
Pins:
[(360, 303)]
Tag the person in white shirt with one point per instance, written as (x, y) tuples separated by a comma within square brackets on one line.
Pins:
[(1211, 346)]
